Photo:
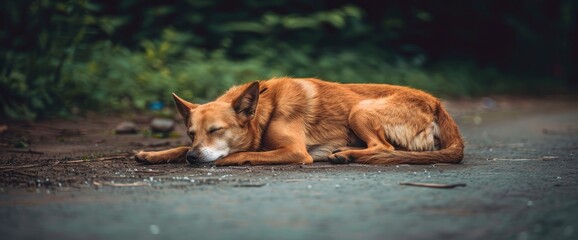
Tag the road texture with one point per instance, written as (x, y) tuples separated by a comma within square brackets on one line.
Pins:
[(520, 173)]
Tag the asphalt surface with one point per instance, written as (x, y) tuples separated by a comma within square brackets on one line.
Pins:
[(520, 174)]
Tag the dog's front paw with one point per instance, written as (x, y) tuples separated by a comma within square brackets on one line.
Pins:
[(141, 157)]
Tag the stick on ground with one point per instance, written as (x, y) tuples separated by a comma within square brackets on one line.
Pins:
[(433, 185)]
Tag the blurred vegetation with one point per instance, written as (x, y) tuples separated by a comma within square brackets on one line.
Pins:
[(64, 57)]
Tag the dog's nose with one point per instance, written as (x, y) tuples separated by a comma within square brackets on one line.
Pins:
[(192, 157)]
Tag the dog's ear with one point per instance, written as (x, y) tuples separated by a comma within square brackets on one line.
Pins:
[(246, 103), (184, 107)]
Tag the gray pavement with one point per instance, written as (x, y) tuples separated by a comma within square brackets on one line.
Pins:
[(520, 171)]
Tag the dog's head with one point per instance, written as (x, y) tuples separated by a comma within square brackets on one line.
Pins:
[(219, 128)]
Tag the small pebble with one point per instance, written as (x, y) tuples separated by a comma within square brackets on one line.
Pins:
[(154, 229), (126, 128), (162, 125)]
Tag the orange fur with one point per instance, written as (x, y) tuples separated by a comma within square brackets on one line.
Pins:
[(298, 121)]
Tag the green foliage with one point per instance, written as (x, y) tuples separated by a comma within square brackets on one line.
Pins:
[(116, 78), (64, 57), (271, 21), (43, 35)]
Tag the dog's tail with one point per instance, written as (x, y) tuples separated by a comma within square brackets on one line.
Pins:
[(451, 144)]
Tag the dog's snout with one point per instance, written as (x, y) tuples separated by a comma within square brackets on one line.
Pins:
[(192, 157)]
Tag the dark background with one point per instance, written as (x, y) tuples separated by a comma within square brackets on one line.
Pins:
[(63, 58)]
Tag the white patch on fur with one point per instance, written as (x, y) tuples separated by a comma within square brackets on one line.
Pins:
[(365, 103), (309, 88), (211, 153), (420, 141), (399, 134), (373, 103), (310, 94), (436, 130)]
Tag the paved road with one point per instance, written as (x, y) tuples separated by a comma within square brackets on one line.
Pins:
[(520, 171)]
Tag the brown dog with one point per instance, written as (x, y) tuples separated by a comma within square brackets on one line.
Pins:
[(298, 121)]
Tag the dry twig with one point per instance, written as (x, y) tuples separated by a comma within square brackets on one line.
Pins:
[(25, 151), (433, 185), (94, 159), (11, 168), (134, 184)]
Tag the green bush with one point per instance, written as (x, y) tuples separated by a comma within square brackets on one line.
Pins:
[(117, 78), (67, 57), (110, 77)]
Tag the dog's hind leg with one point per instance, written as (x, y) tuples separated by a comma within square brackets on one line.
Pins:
[(407, 123), (367, 126), (166, 156)]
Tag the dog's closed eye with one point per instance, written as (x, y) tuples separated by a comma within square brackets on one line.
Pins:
[(215, 129)]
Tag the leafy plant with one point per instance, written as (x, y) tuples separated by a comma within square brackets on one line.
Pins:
[(66, 57)]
